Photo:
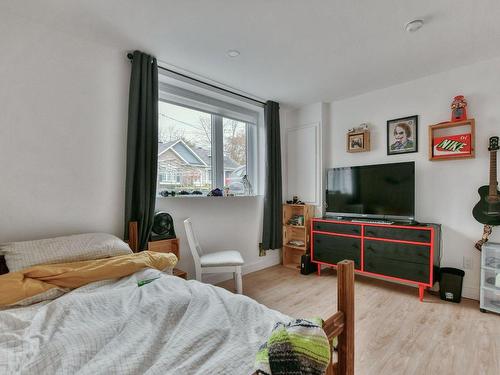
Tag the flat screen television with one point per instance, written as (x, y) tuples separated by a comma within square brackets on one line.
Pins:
[(381, 191)]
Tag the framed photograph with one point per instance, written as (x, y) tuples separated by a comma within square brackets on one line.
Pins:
[(358, 141), (402, 135), (452, 140)]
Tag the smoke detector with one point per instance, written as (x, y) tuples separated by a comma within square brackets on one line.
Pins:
[(414, 26), (233, 53)]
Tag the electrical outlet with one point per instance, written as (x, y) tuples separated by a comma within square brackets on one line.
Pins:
[(468, 263)]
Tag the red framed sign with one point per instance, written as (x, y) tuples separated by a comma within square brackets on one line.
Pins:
[(452, 140)]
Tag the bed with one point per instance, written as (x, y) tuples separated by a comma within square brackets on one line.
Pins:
[(165, 326)]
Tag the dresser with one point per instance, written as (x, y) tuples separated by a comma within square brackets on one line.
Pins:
[(404, 253)]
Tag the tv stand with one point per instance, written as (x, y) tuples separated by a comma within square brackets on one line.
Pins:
[(397, 252)]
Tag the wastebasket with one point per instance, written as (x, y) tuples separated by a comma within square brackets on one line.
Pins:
[(306, 266), (450, 284)]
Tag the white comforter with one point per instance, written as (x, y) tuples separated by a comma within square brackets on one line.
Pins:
[(168, 326)]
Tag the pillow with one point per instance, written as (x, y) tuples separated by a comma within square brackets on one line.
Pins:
[(3, 265), (21, 255)]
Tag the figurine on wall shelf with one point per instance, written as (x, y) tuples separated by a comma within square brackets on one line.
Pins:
[(361, 127), (458, 108)]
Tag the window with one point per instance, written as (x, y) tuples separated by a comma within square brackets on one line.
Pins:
[(235, 155), (199, 151), (184, 149)]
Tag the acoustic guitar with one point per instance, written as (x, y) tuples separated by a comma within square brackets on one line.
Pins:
[(487, 210)]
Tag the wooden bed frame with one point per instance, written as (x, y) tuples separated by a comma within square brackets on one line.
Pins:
[(340, 324), (133, 239)]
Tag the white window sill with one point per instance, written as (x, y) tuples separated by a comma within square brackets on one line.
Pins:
[(207, 197)]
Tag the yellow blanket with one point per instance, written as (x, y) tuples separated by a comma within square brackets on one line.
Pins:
[(17, 286)]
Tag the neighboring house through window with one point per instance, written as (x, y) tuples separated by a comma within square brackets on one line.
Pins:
[(204, 143)]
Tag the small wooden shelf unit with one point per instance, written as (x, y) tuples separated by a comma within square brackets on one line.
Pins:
[(161, 246), (291, 253), (168, 246)]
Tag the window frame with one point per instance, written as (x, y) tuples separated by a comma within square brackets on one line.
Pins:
[(250, 118)]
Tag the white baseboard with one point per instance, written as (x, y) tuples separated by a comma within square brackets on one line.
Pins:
[(272, 258), (467, 291), (470, 292)]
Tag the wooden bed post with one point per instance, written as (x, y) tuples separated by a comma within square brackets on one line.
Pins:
[(341, 324), (345, 298), (132, 236)]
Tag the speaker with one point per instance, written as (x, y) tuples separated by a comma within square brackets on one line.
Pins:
[(306, 266), (163, 227)]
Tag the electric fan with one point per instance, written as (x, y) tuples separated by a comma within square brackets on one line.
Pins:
[(163, 227)]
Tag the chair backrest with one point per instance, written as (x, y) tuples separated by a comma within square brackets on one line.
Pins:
[(194, 245)]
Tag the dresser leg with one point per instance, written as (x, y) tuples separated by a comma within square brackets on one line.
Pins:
[(421, 289)]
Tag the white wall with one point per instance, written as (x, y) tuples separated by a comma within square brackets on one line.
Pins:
[(313, 114), (63, 148), (445, 190), (62, 133), (222, 223)]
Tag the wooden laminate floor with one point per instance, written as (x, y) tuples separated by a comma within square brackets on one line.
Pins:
[(395, 333)]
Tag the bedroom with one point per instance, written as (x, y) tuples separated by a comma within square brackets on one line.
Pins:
[(331, 67)]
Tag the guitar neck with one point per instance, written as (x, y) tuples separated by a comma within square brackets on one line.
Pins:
[(493, 174)]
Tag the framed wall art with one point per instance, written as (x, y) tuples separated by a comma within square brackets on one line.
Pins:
[(402, 135), (358, 141), (452, 140)]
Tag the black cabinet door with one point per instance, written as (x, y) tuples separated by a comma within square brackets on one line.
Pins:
[(389, 267), (416, 235), (404, 261), (325, 226), (400, 252), (333, 249)]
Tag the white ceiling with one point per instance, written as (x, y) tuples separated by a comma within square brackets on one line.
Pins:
[(292, 51)]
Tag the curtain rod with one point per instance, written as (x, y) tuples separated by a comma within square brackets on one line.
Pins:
[(130, 56)]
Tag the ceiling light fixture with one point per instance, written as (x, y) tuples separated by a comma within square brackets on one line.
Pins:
[(233, 53), (414, 25)]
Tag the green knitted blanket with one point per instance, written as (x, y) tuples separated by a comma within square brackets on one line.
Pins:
[(296, 348)]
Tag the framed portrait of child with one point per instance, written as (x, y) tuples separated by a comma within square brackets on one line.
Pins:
[(402, 135)]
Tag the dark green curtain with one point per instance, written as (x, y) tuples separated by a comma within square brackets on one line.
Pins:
[(272, 231), (142, 146)]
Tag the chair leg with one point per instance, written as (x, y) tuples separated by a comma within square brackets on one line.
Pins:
[(238, 281), (198, 273)]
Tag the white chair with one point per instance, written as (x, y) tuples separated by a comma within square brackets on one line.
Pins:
[(219, 262)]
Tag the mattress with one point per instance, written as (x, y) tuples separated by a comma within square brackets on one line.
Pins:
[(166, 326)]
